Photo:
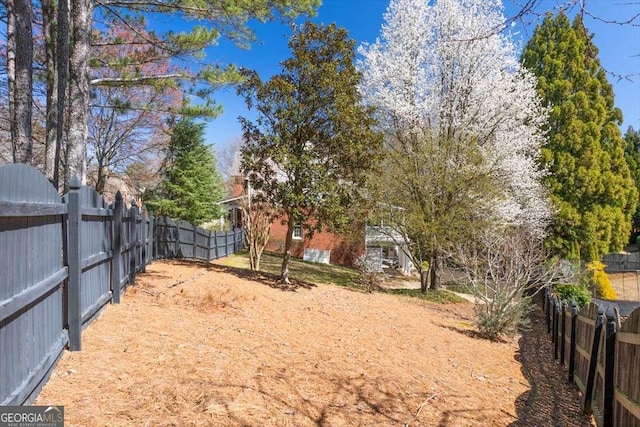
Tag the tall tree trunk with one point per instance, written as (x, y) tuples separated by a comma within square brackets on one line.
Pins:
[(284, 276), (76, 154), (11, 68), (102, 178), (424, 275), (48, 17), (23, 95), (62, 51), (435, 267)]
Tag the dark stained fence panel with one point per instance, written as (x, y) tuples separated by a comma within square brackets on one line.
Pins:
[(60, 263), (95, 247), (230, 235), (626, 373), (31, 305), (125, 251), (220, 244), (185, 239), (180, 239), (166, 237), (597, 404), (202, 244), (566, 337), (123, 265), (585, 329), (150, 227)]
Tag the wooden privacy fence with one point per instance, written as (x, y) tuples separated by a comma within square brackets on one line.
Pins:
[(602, 356), (62, 259), (180, 239)]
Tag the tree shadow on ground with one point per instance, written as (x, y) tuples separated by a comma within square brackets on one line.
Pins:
[(471, 333), (552, 400), (268, 279)]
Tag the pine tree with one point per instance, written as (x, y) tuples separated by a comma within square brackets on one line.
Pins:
[(192, 183), (589, 180), (632, 155)]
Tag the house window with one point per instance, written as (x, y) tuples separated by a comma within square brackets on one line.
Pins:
[(297, 232)]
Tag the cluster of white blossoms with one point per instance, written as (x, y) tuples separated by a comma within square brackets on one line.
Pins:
[(447, 69)]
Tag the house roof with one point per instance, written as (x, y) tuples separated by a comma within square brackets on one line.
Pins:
[(383, 234)]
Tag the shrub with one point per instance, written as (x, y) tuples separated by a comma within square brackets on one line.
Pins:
[(599, 280), (574, 292), (503, 316), (369, 278), (504, 269)]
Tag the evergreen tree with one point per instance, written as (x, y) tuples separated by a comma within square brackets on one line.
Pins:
[(632, 154), (589, 180), (312, 143), (192, 183)]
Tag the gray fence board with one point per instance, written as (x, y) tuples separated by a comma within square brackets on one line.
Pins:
[(95, 250), (30, 290), (180, 239), (185, 239), (616, 263), (63, 260)]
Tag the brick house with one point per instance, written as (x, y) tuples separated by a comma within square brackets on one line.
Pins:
[(379, 246), (323, 246)]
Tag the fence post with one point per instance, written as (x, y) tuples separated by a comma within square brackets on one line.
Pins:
[(75, 266), (154, 243), (133, 242), (235, 241), (152, 240), (195, 241), (176, 245), (563, 328), (548, 310), (572, 345), (116, 249), (609, 360), (556, 326), (215, 242), (593, 361), (209, 246), (143, 238)]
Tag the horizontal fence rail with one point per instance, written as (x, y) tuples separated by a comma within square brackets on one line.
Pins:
[(62, 259), (602, 354), (180, 239)]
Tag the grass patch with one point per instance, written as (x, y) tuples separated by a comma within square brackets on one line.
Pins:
[(330, 274), (461, 288), (439, 296), (298, 269)]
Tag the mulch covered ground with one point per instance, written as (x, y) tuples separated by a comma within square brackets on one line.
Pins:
[(195, 345)]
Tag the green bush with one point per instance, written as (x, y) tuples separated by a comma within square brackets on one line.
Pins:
[(503, 317), (571, 292)]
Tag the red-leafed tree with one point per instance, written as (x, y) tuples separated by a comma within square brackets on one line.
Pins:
[(128, 120)]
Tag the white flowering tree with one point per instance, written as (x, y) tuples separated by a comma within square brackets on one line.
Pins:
[(462, 120)]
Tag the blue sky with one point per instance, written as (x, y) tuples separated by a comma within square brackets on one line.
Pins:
[(619, 52)]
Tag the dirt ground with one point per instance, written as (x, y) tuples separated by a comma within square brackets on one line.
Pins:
[(192, 345)]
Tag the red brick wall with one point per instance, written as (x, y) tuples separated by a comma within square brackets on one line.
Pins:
[(344, 249)]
